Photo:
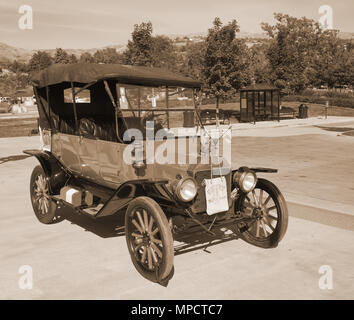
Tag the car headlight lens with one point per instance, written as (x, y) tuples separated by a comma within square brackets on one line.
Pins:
[(245, 179), (186, 189)]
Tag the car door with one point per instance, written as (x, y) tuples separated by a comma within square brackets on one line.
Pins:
[(110, 158), (69, 154), (88, 151)]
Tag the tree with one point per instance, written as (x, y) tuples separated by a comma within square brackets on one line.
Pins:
[(163, 53), (259, 64), (86, 57), (334, 61), (226, 63), (107, 55), (61, 56), (12, 82), (293, 46), (139, 49), (73, 59), (194, 60), (16, 66), (147, 50), (39, 60)]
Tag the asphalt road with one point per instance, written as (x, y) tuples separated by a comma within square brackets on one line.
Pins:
[(83, 259)]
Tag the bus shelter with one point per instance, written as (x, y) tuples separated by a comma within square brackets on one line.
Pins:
[(259, 102)]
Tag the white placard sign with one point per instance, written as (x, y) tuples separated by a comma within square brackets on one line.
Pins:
[(216, 195)]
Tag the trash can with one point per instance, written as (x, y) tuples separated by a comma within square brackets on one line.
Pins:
[(188, 119), (303, 111), (300, 111)]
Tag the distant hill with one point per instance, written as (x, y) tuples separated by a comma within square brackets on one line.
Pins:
[(9, 53), (78, 52)]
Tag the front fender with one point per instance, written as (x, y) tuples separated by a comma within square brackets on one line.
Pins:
[(56, 174)]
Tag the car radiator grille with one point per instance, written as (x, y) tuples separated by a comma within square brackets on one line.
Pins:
[(199, 204)]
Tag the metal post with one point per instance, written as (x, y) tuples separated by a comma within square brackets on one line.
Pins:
[(264, 103), (278, 106), (217, 111), (167, 112), (49, 111), (326, 109), (253, 107), (74, 106), (271, 104), (139, 102), (240, 106)]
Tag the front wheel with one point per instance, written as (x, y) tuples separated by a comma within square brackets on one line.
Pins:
[(266, 215), (149, 240)]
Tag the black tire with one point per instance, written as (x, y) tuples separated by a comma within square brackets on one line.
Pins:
[(272, 226), (149, 239), (43, 207)]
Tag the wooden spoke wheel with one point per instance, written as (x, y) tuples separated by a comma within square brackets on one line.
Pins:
[(267, 214), (149, 239)]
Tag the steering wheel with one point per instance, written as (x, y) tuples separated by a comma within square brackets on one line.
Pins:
[(148, 117)]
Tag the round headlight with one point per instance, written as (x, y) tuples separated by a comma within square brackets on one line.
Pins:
[(186, 189), (246, 180), (249, 182)]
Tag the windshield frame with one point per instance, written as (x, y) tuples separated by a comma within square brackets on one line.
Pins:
[(139, 111)]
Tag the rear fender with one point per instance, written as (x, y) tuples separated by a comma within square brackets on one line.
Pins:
[(56, 174)]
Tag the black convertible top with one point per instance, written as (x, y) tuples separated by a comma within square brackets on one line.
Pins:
[(91, 72)]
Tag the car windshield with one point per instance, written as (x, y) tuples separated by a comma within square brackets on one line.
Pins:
[(163, 105)]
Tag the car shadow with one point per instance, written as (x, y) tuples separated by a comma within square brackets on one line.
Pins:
[(14, 158), (105, 227), (199, 239), (113, 226)]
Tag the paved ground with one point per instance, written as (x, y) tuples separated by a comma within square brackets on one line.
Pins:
[(79, 259)]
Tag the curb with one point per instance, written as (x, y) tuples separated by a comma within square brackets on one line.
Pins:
[(337, 207)]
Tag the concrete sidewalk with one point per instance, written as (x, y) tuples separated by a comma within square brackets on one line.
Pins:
[(288, 127), (313, 121)]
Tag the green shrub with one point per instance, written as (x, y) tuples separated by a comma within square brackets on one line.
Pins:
[(338, 99)]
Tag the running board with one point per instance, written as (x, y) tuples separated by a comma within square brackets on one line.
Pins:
[(92, 211), (118, 201)]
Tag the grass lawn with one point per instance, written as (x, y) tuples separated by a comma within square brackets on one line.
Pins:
[(315, 110)]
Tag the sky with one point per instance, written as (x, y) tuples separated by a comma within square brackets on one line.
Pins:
[(97, 23)]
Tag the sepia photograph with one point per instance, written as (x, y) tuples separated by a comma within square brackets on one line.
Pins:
[(176, 151)]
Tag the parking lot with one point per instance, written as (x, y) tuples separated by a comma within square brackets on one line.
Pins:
[(85, 259)]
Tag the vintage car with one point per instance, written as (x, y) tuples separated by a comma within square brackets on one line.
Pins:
[(101, 127)]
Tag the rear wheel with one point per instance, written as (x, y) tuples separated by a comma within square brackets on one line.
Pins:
[(149, 239), (43, 206), (266, 212)]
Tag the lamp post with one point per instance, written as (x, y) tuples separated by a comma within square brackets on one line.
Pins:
[(326, 109)]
